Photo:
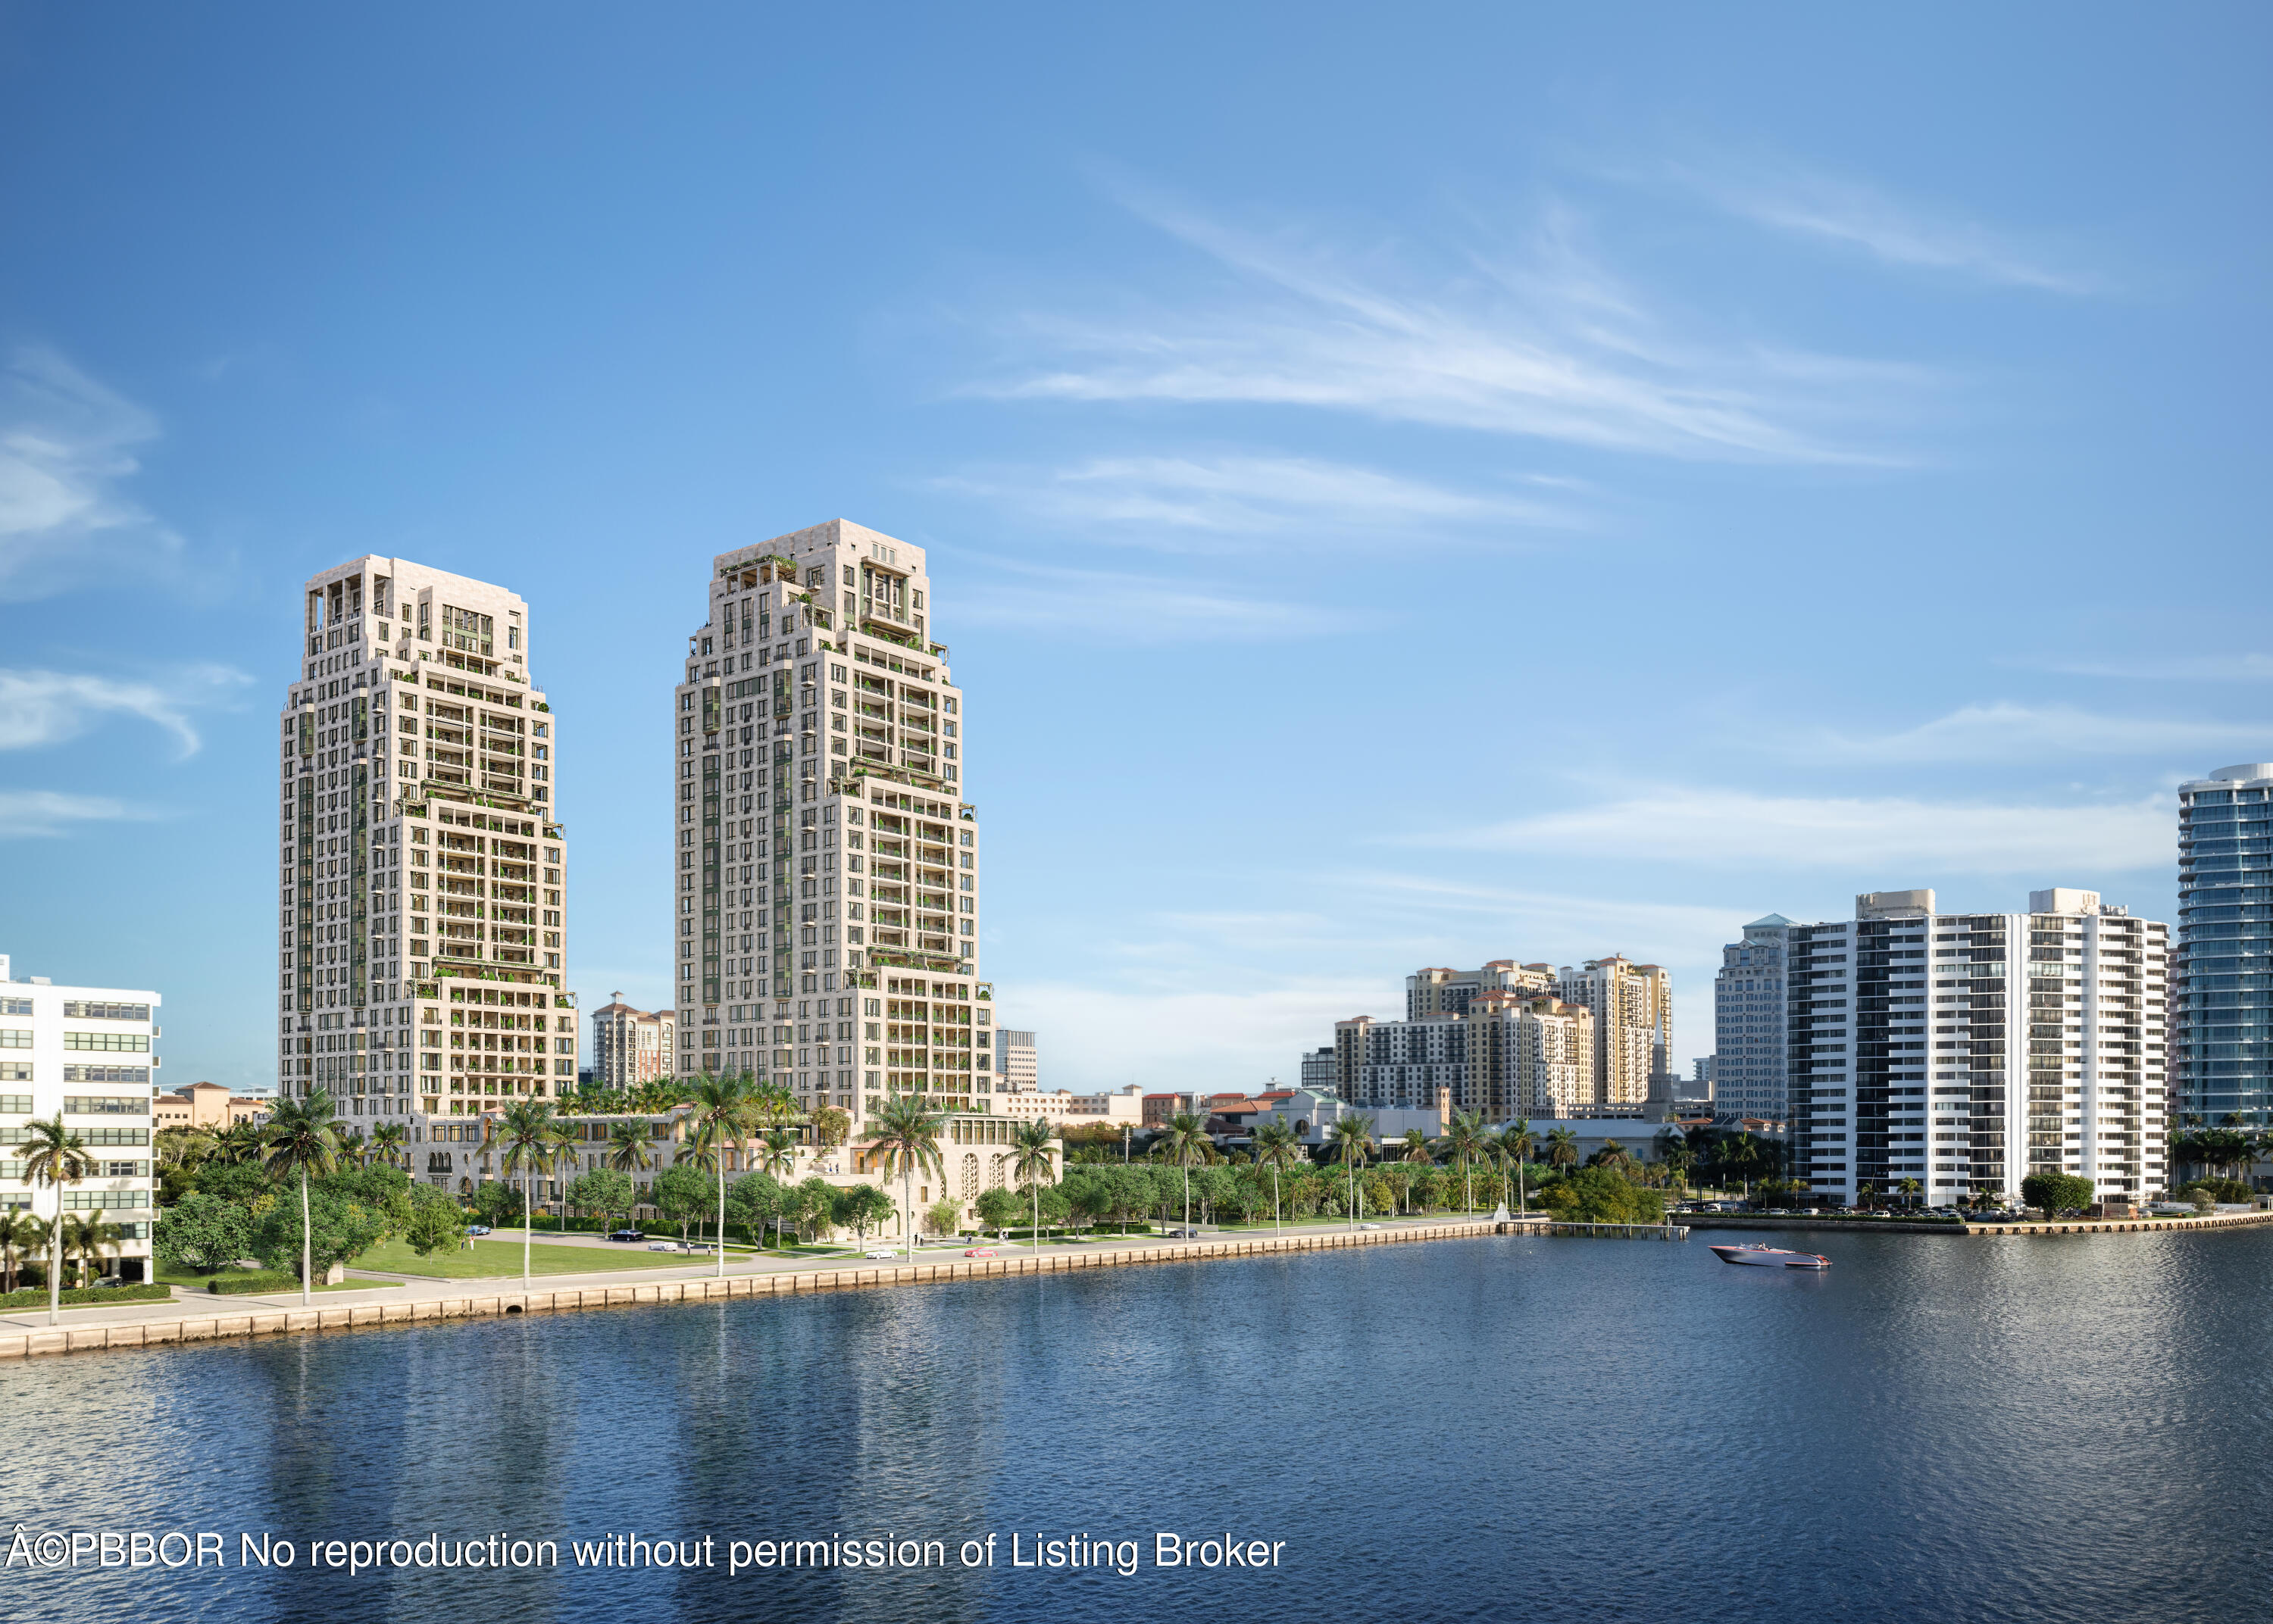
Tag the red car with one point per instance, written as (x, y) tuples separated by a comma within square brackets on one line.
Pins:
[(979, 1252)]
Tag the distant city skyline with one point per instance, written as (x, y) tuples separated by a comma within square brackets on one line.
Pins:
[(1670, 483)]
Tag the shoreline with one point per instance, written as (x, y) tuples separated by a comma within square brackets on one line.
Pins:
[(166, 1326), (1920, 1226)]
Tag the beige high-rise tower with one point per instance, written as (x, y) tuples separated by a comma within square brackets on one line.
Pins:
[(1633, 1024), (422, 892), (825, 906)]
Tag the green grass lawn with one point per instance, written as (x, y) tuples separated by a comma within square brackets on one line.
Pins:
[(197, 1282), (487, 1259)]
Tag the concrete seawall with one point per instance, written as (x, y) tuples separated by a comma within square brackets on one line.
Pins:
[(1911, 1226), (488, 1300)]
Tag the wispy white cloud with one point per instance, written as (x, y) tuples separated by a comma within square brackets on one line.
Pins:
[(66, 449), (1855, 216), (1547, 344), (46, 707), (2003, 731), (1723, 828), (2248, 667), (27, 814), (1047, 598), (1191, 503)]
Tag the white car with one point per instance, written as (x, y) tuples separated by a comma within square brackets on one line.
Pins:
[(884, 1253)]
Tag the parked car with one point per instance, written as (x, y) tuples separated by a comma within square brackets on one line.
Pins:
[(631, 1235), (979, 1252), (477, 1229), (1182, 1234), (884, 1251)]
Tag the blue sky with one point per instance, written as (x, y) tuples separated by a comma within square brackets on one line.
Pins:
[(1406, 485)]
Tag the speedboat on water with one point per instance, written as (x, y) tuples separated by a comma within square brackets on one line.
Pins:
[(1771, 1257)]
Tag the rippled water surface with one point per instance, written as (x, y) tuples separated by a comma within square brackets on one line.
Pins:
[(1506, 1428)]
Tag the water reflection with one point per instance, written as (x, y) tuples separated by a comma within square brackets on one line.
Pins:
[(1549, 1428)]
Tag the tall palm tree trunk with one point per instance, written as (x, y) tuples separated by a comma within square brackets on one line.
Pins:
[(307, 1247), (722, 1214), (56, 1263), (528, 1223), (1277, 1223), (908, 1202)]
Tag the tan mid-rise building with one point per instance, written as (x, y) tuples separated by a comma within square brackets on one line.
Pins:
[(630, 1047)]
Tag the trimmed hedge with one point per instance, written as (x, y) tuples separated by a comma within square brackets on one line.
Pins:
[(79, 1295), (252, 1281)]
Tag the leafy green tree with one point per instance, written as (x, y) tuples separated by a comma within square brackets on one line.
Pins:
[(1089, 1199), (831, 1127), (754, 1200), (2055, 1192), (861, 1208), (496, 1204), (1601, 1195), (816, 1207), (998, 1209), (437, 1223), (201, 1233), (53, 1155), (328, 1229), (681, 1191), (245, 1183), (906, 1132), (943, 1218), (300, 1139), (602, 1190)]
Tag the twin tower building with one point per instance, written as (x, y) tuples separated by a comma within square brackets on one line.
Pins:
[(823, 899)]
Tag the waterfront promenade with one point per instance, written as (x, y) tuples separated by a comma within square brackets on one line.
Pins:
[(201, 1317)]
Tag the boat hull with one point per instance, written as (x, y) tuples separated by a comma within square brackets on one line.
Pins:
[(1770, 1257)]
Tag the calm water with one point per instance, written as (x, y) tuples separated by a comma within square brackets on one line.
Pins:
[(1543, 1429)]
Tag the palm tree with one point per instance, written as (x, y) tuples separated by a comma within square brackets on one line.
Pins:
[(1563, 1147), (300, 1139), (907, 1131), (1185, 1143), (1513, 1145), (1464, 1140), (1353, 1140), (19, 1232), (631, 1150), (386, 1141), (1030, 1159), (726, 1113), (1416, 1150), (236, 1144), (532, 1140), (353, 1147), (88, 1237), (1276, 1145), (1674, 1154), (181, 1147), (1912, 1188), (55, 1155)]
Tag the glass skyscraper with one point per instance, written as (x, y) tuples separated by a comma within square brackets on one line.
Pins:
[(2225, 985)]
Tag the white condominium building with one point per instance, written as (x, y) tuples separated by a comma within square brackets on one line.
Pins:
[(1968, 1051), (825, 909), (1633, 1024), (1016, 1064), (421, 860), (632, 1046), (89, 1053)]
